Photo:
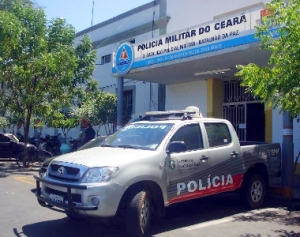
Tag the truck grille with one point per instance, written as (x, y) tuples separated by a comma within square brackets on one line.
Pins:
[(70, 170), (63, 178), (64, 172)]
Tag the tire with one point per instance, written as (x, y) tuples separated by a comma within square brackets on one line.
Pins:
[(138, 213), (254, 191), (20, 159)]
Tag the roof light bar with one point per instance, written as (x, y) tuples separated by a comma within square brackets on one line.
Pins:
[(188, 113)]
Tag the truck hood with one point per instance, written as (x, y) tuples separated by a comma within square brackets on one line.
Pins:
[(103, 156)]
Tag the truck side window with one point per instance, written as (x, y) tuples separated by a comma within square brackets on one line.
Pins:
[(190, 135), (218, 134)]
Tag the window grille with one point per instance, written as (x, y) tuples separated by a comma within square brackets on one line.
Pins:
[(106, 59), (234, 92), (128, 102)]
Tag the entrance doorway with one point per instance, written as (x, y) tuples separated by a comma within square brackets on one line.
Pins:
[(255, 122), (244, 111)]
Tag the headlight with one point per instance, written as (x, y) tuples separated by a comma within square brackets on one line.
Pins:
[(103, 174)]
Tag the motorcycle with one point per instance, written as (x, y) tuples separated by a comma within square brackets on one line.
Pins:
[(52, 144), (31, 140), (75, 144)]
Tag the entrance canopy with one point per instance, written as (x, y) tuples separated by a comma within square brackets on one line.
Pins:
[(218, 65)]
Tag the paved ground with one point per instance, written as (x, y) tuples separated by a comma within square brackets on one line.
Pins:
[(10, 167)]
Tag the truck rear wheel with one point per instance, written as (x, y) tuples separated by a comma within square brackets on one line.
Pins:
[(138, 213), (254, 191)]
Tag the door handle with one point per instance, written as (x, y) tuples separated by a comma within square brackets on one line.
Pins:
[(234, 154), (204, 158)]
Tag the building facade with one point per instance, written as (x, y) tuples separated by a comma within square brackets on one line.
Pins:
[(170, 54)]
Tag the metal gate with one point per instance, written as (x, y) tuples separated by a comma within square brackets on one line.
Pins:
[(235, 100)]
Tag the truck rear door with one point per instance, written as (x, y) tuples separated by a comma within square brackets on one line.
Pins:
[(224, 155)]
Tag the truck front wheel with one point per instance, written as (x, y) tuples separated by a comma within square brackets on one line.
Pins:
[(138, 213), (254, 191)]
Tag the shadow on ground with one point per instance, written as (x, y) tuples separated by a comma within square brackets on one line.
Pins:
[(10, 167), (177, 216)]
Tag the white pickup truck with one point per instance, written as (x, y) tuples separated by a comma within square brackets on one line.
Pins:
[(168, 157)]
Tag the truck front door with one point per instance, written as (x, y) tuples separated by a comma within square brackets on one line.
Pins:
[(188, 170)]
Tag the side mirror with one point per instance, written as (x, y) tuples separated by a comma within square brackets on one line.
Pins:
[(176, 147)]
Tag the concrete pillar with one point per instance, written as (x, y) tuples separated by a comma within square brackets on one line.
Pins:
[(161, 97), (120, 103), (214, 98)]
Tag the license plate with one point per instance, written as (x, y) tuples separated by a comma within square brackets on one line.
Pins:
[(56, 198)]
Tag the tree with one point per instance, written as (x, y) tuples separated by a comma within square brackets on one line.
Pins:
[(107, 110), (8, 4), (65, 120), (279, 82), (41, 70), (3, 122), (101, 110)]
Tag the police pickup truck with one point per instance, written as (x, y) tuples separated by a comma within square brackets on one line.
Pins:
[(168, 157)]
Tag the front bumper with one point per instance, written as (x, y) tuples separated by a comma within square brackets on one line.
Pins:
[(77, 198)]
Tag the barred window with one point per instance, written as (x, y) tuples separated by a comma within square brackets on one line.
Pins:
[(128, 103)]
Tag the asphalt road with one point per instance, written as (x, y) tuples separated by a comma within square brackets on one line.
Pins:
[(222, 215)]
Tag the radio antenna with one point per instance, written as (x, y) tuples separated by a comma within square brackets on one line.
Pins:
[(92, 14)]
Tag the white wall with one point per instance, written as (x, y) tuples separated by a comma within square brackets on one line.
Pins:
[(180, 96), (195, 12), (130, 22)]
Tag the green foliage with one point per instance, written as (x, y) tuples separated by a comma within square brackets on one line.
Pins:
[(3, 122), (100, 111), (279, 82), (65, 120), (41, 71)]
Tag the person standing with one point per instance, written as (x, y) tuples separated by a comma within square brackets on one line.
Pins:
[(88, 134)]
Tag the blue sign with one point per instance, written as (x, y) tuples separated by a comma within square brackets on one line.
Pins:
[(198, 50), (124, 58)]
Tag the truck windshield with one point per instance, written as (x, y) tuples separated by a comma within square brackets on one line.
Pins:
[(146, 136)]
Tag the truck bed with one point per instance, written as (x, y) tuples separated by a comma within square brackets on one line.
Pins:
[(262, 152)]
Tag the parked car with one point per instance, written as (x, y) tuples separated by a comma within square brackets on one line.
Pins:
[(10, 146), (168, 157), (92, 143)]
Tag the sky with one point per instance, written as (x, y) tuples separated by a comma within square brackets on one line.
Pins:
[(79, 12)]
